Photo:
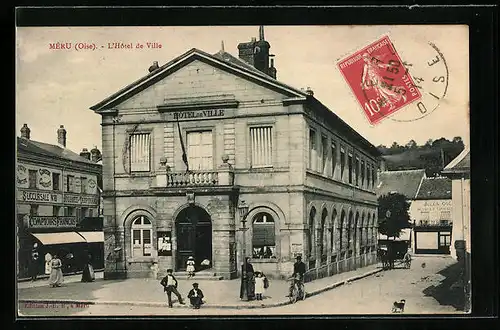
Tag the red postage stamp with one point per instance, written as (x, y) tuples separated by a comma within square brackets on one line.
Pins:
[(379, 79)]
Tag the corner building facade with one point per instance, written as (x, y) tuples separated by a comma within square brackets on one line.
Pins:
[(308, 178)]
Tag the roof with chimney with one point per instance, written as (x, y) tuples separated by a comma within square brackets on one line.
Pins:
[(405, 182), (459, 165), (237, 66), (49, 150), (435, 188)]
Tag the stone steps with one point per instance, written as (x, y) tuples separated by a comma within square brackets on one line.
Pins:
[(199, 276)]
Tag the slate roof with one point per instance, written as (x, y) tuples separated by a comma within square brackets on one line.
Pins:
[(50, 150), (461, 163), (435, 188), (402, 182)]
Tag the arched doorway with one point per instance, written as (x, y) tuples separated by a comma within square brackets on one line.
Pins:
[(193, 228)]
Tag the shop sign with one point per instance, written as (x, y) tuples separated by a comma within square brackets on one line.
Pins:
[(45, 179), (51, 222), (39, 196), (81, 199)]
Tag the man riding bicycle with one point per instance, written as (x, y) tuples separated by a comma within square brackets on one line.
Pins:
[(299, 269)]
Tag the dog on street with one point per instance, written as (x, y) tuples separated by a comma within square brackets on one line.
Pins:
[(398, 307)]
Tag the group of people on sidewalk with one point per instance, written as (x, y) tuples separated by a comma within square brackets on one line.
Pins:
[(255, 283), (169, 283), (53, 268)]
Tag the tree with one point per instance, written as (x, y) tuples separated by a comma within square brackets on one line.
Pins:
[(411, 144), (393, 214), (394, 145), (429, 143)]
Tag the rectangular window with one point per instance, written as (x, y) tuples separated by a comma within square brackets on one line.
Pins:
[(33, 209), (356, 170), (374, 175), (83, 185), (200, 150), (334, 158), (55, 210), (324, 153), (140, 152), (69, 211), (349, 164), (342, 163), (70, 180), (32, 178), (261, 140), (363, 169), (312, 149), (368, 176), (55, 181), (146, 235)]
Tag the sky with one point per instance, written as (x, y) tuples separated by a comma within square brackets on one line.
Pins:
[(57, 87)]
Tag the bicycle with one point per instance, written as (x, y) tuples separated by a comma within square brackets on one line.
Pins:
[(297, 290)]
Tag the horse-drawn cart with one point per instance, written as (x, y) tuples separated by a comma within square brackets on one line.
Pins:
[(390, 251)]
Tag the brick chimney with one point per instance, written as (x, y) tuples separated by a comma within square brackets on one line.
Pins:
[(25, 132), (61, 136), (256, 53), (85, 153), (95, 154)]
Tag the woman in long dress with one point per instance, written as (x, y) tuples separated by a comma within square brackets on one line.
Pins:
[(88, 271), (56, 275)]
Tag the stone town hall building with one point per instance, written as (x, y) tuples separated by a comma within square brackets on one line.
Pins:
[(309, 179)]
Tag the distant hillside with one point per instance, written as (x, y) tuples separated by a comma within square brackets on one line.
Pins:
[(433, 156)]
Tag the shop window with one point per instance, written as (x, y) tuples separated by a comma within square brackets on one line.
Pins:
[(200, 150), (33, 209), (261, 146), (349, 164), (313, 152), (263, 238), (32, 178), (141, 232), (140, 152), (342, 163), (324, 153), (55, 181), (334, 159)]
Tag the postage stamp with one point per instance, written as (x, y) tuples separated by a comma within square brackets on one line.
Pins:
[(379, 80)]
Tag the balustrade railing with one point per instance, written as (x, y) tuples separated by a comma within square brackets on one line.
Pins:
[(185, 179)]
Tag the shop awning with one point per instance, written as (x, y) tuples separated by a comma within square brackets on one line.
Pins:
[(92, 236), (59, 238)]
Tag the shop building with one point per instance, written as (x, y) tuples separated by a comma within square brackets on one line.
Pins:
[(56, 190), (431, 212), (187, 143)]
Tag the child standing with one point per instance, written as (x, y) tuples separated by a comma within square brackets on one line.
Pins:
[(190, 267), (259, 285)]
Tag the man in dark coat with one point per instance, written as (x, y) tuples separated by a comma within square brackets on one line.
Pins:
[(33, 263), (195, 296), (169, 283), (299, 269)]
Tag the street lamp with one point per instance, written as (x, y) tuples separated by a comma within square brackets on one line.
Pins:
[(243, 208)]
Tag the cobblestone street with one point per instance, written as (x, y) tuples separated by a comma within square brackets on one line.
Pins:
[(428, 287)]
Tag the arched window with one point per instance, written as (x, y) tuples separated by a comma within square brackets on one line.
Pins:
[(361, 229), (311, 239), (323, 237), (263, 238), (332, 232), (142, 233)]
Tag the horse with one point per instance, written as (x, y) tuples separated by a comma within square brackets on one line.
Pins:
[(385, 258)]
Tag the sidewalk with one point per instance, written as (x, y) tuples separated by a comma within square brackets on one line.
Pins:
[(149, 292)]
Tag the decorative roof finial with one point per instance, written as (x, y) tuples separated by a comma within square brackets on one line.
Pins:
[(222, 46), (261, 32)]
